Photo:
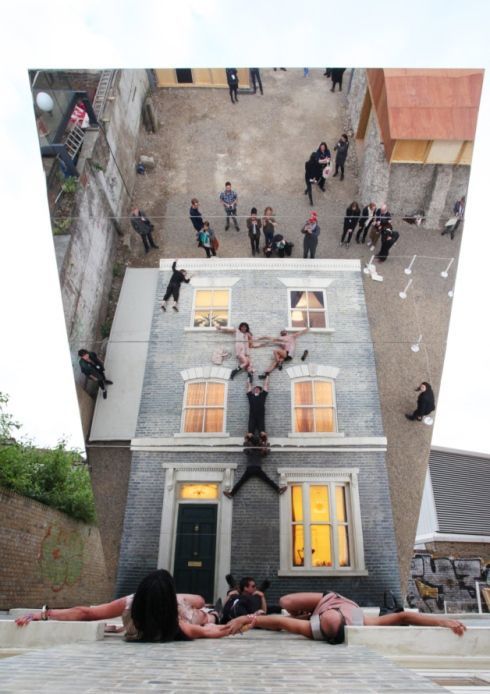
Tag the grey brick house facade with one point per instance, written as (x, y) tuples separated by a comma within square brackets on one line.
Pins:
[(333, 528)]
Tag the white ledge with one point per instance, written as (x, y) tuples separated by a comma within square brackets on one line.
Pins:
[(326, 572), (231, 443), (285, 264), (49, 633)]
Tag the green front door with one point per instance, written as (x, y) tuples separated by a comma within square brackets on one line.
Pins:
[(195, 549)]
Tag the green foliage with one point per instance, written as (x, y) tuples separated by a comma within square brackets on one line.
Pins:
[(70, 185), (57, 477), (105, 329), (61, 225), (117, 270), (7, 422)]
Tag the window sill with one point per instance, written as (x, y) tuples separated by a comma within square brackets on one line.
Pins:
[(201, 330), (316, 435), (202, 435), (312, 330), (322, 572)]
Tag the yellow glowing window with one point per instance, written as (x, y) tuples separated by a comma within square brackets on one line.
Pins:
[(211, 308), (201, 490), (204, 407), (314, 407), (320, 526), (307, 308)]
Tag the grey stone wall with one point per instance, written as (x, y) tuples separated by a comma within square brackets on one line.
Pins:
[(355, 97), (255, 531), (86, 271), (438, 580), (261, 300)]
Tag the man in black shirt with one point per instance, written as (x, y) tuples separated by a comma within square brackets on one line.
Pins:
[(142, 225), (255, 450), (93, 368), (173, 288), (195, 215), (425, 402)]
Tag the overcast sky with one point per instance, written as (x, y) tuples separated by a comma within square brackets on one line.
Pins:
[(35, 366)]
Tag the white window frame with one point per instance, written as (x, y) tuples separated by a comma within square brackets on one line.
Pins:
[(306, 288), (348, 477), (185, 407), (211, 284), (334, 407)]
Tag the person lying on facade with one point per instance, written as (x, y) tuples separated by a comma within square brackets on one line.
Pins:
[(323, 617), (244, 342), (173, 287), (285, 351), (155, 612), (256, 449), (246, 599)]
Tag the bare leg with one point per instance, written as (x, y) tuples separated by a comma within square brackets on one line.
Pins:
[(298, 603), (108, 610)]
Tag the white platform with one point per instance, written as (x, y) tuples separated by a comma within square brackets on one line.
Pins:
[(115, 418), (45, 634)]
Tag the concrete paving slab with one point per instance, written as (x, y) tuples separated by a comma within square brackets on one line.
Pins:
[(254, 662)]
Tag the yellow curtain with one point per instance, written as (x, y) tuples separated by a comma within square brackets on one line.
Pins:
[(215, 394), (323, 393), (297, 502), (195, 394), (323, 419), (343, 542), (203, 298), (321, 545), (193, 420), (340, 510), (214, 420), (319, 503), (298, 545), (303, 393)]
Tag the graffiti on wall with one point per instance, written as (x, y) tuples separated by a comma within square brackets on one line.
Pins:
[(61, 557), (437, 583)]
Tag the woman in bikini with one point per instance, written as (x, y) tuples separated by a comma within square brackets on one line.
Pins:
[(323, 617), (154, 613)]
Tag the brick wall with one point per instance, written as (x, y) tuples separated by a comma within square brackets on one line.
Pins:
[(46, 557)]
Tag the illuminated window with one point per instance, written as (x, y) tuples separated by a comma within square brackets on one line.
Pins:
[(211, 308), (307, 308), (314, 406), (200, 490), (320, 527), (204, 407), (321, 523)]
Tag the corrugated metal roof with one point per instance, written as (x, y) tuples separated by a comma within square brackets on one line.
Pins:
[(432, 104), (461, 485)]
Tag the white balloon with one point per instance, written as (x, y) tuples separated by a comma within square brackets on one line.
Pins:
[(44, 101)]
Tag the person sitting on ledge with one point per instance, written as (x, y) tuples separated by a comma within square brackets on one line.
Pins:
[(327, 615), (154, 613)]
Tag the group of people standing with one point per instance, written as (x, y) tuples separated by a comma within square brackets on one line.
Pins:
[(373, 219), (319, 166)]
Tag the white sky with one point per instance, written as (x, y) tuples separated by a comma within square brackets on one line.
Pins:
[(35, 367)]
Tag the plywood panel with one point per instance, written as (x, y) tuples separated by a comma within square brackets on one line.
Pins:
[(444, 152), (410, 151), (165, 77), (364, 117), (466, 154)]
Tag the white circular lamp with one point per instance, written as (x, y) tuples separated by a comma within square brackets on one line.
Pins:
[(44, 102)]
